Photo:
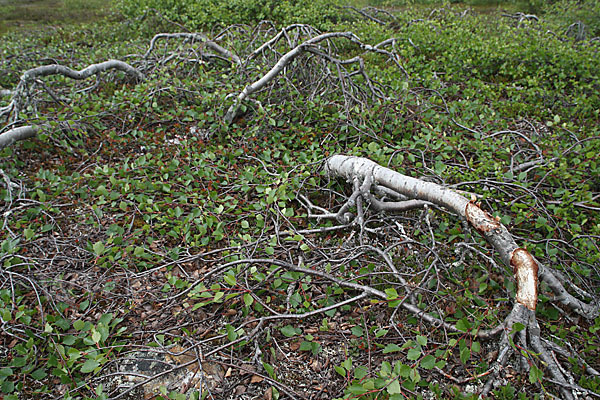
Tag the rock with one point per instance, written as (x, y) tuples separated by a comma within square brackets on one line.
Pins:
[(143, 373)]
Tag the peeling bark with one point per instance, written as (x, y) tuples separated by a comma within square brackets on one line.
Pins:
[(525, 268)]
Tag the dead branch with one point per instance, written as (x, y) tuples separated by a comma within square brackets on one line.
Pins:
[(199, 37), (277, 68), (526, 269), (30, 76), (353, 92), (21, 133)]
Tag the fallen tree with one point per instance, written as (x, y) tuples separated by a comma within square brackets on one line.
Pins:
[(526, 269), (21, 94)]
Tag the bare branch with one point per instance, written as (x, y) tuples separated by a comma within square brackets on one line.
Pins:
[(194, 36), (278, 67), (21, 133)]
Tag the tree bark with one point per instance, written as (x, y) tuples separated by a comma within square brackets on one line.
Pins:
[(21, 133), (277, 68), (524, 266)]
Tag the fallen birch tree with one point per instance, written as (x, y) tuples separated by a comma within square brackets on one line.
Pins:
[(520, 329), (20, 95)]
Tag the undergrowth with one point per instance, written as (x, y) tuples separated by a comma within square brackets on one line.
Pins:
[(110, 229)]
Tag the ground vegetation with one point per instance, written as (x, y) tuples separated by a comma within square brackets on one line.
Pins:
[(381, 200)]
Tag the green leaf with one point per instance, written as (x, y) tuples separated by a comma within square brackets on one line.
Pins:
[(98, 248), (39, 374), (230, 279), (413, 354), (89, 366), (428, 362), (463, 325), (391, 347), (29, 233), (394, 387), (306, 346), (360, 372), (405, 370), (422, 340), (84, 305), (231, 333), (248, 299), (290, 331), (69, 340), (465, 354), (347, 364), (535, 374), (96, 336), (357, 331), (357, 389), (386, 369), (7, 387), (78, 324), (391, 293), (218, 296), (270, 370)]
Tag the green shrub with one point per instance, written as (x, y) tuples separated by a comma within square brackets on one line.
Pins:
[(207, 13), (567, 12)]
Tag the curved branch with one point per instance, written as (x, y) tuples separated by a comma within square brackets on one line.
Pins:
[(56, 69), (277, 68), (194, 36), (21, 133)]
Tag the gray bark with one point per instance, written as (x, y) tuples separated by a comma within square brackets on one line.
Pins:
[(195, 36), (526, 268), (21, 133)]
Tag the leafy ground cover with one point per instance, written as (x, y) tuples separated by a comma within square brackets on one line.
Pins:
[(139, 220)]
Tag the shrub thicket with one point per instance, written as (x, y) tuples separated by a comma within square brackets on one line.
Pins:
[(206, 13)]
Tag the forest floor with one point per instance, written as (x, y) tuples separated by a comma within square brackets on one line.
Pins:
[(141, 225)]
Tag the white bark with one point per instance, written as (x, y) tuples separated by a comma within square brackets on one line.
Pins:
[(56, 69), (21, 133), (195, 36), (526, 268)]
